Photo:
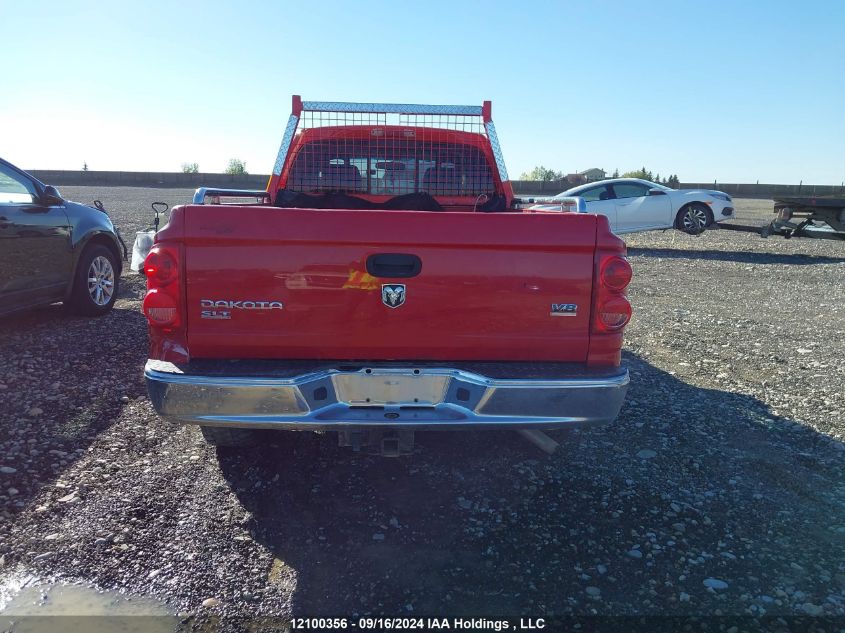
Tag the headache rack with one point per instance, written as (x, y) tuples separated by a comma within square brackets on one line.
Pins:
[(390, 150)]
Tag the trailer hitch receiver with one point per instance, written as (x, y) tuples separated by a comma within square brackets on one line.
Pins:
[(385, 442)]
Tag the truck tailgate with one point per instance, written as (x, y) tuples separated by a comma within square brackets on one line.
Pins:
[(265, 282)]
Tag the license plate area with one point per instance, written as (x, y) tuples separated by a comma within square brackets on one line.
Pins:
[(380, 387)]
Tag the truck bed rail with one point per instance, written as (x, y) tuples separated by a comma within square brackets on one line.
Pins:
[(231, 196)]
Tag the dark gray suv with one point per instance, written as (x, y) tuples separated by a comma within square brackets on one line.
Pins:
[(53, 250)]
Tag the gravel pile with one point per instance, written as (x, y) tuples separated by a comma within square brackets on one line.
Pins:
[(719, 490)]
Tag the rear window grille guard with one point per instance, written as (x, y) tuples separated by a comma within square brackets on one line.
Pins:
[(414, 159), (390, 165), (458, 122)]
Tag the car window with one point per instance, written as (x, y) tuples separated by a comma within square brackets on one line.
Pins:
[(15, 189), (596, 193), (629, 190)]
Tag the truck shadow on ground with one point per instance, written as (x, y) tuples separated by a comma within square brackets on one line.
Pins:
[(692, 480), (742, 257)]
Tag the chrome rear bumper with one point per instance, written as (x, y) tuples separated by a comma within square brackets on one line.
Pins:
[(415, 397)]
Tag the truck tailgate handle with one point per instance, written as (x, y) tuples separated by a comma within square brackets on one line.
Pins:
[(394, 265)]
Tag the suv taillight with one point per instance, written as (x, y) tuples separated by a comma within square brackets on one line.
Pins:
[(162, 301), (612, 309)]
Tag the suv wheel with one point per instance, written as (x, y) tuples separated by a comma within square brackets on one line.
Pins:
[(95, 286)]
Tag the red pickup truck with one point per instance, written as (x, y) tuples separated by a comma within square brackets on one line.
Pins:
[(386, 281)]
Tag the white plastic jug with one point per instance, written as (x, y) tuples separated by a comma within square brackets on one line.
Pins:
[(141, 248)]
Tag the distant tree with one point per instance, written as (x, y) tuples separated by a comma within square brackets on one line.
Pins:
[(236, 166), (541, 173), (84, 166), (190, 168), (643, 173)]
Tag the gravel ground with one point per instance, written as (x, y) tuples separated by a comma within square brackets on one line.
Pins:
[(718, 491)]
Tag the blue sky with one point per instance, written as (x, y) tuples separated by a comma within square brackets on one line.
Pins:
[(727, 91)]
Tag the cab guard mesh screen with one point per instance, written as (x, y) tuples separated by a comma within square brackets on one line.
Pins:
[(390, 149), (383, 165)]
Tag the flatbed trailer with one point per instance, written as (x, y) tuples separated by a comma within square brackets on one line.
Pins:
[(819, 218)]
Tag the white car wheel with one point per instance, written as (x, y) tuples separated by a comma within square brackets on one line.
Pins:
[(694, 218)]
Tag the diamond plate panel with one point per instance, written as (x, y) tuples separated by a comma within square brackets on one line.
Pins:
[(497, 151), (391, 108), (290, 130)]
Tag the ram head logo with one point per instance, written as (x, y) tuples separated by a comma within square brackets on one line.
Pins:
[(393, 295)]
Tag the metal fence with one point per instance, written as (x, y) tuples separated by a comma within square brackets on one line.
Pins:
[(61, 178)]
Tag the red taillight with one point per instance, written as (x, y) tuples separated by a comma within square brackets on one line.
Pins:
[(616, 273), (162, 303), (614, 312), (160, 308), (610, 308), (160, 267)]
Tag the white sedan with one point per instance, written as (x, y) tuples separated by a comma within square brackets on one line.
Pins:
[(639, 205)]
